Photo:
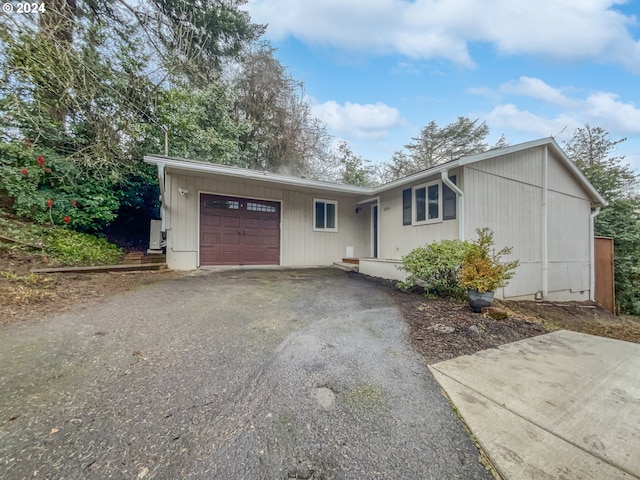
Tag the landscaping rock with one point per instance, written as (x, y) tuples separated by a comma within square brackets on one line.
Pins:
[(440, 328), (495, 313)]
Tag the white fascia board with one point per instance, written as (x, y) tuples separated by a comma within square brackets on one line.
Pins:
[(430, 172), (235, 172), (443, 167), (205, 167), (596, 198), (498, 152)]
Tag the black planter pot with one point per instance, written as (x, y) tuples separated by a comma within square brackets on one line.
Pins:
[(477, 300)]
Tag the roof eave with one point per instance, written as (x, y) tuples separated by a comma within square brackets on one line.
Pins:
[(234, 172), (596, 199)]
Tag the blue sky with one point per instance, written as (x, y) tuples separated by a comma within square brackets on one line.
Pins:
[(377, 71)]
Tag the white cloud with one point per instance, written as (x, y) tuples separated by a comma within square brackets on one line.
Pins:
[(510, 117), (422, 29), (355, 120), (605, 107), (536, 88), (599, 108)]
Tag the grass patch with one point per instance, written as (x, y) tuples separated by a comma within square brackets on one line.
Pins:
[(55, 245), (366, 397)]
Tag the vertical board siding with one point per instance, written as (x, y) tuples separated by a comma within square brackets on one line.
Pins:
[(562, 181), (512, 210), (568, 243), (396, 239), (524, 166), (568, 228), (299, 244), (605, 290), (505, 194)]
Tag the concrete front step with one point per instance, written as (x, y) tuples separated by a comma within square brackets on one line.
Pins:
[(347, 267)]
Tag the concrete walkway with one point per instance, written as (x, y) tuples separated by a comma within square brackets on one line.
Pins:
[(559, 406)]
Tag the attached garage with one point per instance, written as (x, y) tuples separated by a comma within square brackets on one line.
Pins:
[(239, 231)]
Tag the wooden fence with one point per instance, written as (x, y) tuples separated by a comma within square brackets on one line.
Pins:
[(605, 289)]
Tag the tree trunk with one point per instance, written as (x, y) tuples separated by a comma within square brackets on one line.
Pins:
[(56, 27)]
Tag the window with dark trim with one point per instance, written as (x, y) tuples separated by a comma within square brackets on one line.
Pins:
[(406, 207), (427, 203), (432, 202), (449, 201)]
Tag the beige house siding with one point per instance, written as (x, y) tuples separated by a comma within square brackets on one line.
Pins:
[(506, 195), (569, 255), (299, 243), (503, 190), (396, 240), (561, 181)]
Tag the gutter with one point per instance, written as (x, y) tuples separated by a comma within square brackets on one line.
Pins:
[(460, 198), (545, 223), (162, 195), (592, 266)]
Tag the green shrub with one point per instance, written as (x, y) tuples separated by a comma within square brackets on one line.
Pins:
[(435, 267), (74, 248), (483, 269), (48, 188)]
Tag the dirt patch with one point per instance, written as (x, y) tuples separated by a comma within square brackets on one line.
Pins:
[(443, 329), (26, 297), (584, 317)]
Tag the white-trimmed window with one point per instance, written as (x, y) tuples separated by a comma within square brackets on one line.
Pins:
[(427, 203), (325, 215)]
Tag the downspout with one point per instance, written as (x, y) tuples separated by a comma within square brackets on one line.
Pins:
[(460, 197), (162, 198), (592, 251), (545, 222)]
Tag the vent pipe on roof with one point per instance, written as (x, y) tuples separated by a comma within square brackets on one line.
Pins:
[(460, 199)]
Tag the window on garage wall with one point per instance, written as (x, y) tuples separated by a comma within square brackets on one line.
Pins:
[(325, 215)]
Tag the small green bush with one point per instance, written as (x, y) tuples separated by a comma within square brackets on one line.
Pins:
[(68, 247), (435, 267), (483, 269)]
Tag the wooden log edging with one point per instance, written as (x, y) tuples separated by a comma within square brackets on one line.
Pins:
[(102, 268)]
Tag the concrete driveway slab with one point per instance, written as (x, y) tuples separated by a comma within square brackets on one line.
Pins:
[(264, 374), (559, 406)]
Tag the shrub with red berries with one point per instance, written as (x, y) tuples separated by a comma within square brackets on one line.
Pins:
[(51, 189)]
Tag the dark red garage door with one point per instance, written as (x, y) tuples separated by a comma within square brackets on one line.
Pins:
[(239, 231)]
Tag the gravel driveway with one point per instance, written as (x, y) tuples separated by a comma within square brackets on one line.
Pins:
[(232, 375)]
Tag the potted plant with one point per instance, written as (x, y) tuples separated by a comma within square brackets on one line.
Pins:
[(483, 271)]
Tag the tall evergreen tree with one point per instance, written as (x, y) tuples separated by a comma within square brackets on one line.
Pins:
[(591, 148), (436, 145)]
